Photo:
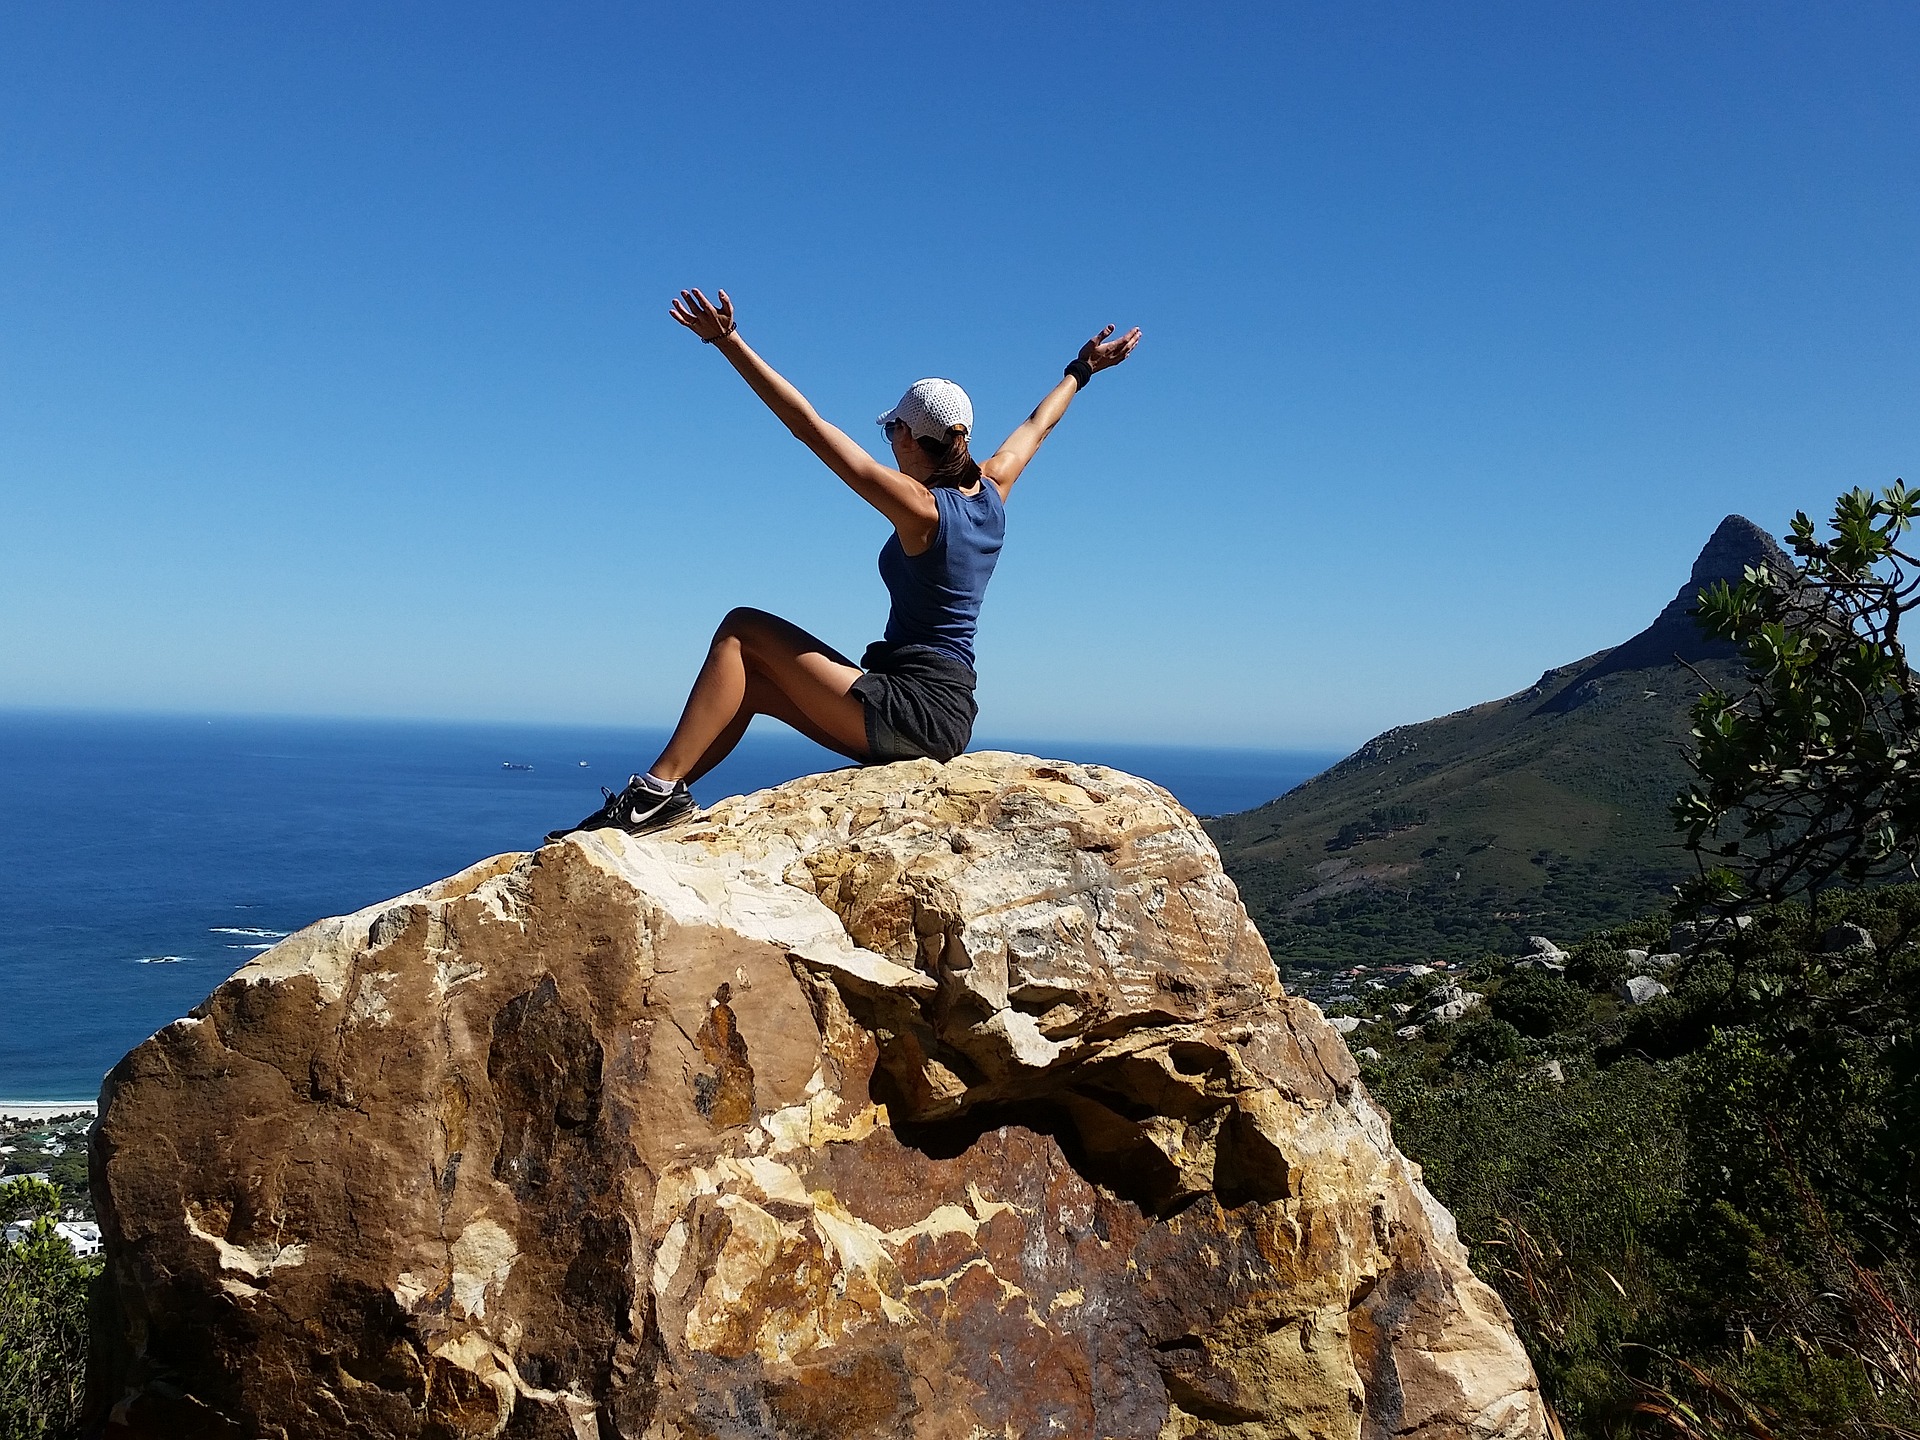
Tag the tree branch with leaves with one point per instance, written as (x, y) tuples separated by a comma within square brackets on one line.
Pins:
[(1812, 773)]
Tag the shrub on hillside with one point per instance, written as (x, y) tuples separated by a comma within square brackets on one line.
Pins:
[(1537, 1003), (43, 1319), (69, 1175), (1595, 965), (1485, 1040)]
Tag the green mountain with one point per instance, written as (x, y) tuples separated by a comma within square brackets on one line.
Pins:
[(1544, 813)]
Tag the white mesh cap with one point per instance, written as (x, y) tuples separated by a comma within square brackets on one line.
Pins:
[(931, 408)]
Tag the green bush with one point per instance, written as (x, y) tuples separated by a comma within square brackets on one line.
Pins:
[(1596, 965), (43, 1320), (1537, 1003), (1562, 1191), (1484, 1040)]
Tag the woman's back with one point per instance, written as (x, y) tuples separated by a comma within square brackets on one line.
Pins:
[(936, 594)]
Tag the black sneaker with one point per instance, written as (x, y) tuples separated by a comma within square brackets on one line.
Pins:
[(639, 810)]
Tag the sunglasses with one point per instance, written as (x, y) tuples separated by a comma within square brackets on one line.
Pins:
[(891, 427)]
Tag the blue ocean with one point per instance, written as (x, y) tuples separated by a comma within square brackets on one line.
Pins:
[(153, 856)]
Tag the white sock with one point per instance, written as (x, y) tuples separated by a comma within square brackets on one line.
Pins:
[(654, 783)]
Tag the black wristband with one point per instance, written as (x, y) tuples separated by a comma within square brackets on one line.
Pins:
[(1081, 372), (721, 336)]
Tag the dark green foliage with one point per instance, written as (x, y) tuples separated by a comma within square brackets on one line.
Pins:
[(1484, 1040), (1561, 1190), (69, 1174), (43, 1320), (1596, 965), (1720, 1207), (1381, 822), (1537, 1003), (1683, 1021), (1426, 914)]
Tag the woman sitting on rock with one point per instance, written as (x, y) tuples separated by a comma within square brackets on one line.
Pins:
[(912, 693)]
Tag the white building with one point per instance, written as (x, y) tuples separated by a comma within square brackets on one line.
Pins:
[(82, 1236)]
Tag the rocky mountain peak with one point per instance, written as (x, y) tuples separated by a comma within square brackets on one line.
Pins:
[(1735, 544)]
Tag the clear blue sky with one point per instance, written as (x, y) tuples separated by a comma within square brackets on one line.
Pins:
[(335, 376)]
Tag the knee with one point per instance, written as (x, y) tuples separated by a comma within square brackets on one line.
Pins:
[(743, 623)]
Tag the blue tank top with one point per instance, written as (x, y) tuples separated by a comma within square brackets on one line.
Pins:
[(936, 594)]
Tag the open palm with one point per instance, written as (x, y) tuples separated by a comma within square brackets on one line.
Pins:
[(1103, 353)]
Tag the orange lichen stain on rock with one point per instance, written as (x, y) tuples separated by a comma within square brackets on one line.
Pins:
[(724, 1094)]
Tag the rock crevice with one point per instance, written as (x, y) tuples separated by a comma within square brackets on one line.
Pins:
[(930, 1101)]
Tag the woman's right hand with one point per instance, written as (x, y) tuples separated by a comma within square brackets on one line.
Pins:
[(698, 314)]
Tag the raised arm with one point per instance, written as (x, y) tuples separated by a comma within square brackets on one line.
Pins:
[(1100, 353), (905, 502)]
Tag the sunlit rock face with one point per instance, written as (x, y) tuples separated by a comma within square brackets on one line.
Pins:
[(921, 1100)]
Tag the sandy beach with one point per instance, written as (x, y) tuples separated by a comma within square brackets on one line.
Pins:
[(44, 1109)]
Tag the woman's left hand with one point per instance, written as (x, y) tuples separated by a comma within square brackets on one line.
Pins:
[(702, 317), (1102, 353)]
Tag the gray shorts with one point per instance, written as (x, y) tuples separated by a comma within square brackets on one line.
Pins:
[(919, 703)]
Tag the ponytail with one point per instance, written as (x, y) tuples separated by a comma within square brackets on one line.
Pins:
[(952, 465)]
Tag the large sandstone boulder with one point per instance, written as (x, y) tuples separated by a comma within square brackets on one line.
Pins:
[(930, 1101)]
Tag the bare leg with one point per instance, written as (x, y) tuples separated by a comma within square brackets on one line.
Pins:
[(721, 747), (763, 699), (760, 664)]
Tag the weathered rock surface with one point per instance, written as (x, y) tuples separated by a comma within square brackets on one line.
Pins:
[(1705, 934), (929, 1101), (1638, 989), (1541, 953), (1846, 938), (1450, 1003)]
